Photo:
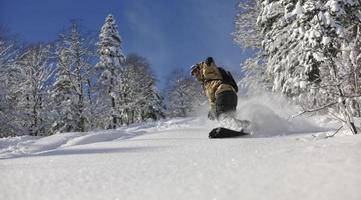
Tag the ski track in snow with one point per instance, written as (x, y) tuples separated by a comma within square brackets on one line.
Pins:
[(175, 160)]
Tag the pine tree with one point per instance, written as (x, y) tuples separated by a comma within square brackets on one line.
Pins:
[(63, 93), (310, 47), (338, 23), (74, 74), (110, 67)]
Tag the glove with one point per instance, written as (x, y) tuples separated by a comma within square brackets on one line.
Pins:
[(212, 115)]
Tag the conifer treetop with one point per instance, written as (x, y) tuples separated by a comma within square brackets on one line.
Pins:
[(110, 40)]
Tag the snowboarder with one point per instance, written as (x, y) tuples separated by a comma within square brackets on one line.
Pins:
[(221, 93)]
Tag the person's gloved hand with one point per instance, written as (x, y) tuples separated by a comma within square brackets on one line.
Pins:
[(212, 115)]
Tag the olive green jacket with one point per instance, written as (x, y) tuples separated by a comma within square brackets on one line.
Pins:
[(211, 79)]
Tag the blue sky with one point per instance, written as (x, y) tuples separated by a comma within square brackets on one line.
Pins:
[(169, 33)]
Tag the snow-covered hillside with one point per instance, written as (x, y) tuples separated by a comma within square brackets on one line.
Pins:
[(174, 159)]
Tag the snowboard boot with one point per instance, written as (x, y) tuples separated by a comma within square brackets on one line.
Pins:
[(230, 122)]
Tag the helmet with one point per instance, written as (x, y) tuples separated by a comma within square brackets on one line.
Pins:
[(209, 61)]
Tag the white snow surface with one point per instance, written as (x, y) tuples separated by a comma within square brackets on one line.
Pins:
[(174, 159)]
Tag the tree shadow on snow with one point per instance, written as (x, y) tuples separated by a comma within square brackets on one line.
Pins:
[(62, 152)]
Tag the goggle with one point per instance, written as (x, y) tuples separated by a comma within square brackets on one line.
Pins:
[(194, 69)]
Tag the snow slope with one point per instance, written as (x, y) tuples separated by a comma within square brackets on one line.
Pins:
[(175, 160)]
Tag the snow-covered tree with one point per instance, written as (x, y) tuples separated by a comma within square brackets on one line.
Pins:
[(8, 81), (298, 35), (184, 95), (312, 52), (336, 39), (34, 70), (64, 96), (141, 100), (255, 79), (248, 35), (110, 69), (74, 73), (282, 63)]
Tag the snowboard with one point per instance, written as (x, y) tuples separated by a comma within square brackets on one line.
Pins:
[(221, 132)]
